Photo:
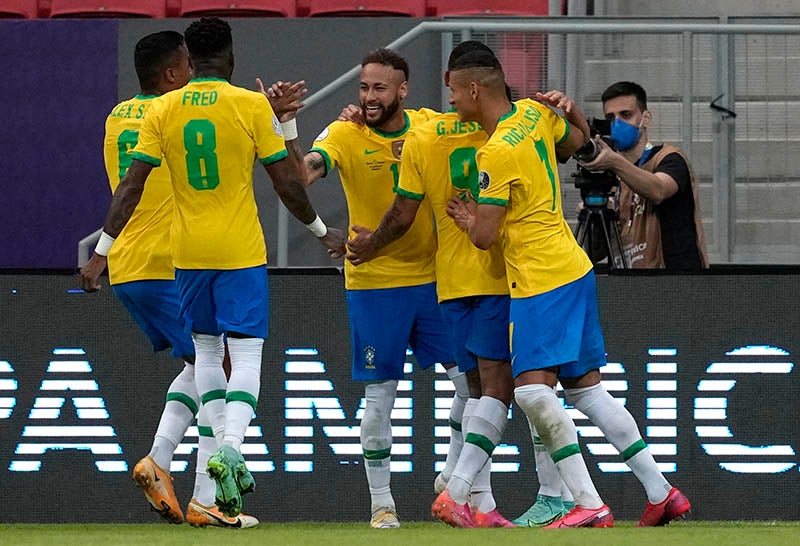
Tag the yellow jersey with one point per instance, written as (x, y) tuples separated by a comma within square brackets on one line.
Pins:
[(210, 132), (517, 170), (142, 249), (369, 167), (439, 161)]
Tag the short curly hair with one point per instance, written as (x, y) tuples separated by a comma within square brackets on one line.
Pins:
[(386, 57), (208, 37)]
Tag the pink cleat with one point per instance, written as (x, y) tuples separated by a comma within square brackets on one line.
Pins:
[(585, 517), (490, 519), (445, 509), (676, 505)]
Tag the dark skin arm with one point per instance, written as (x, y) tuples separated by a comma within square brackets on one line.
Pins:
[(395, 223), (127, 196)]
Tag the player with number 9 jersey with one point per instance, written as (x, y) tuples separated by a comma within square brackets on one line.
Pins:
[(540, 251), (198, 130), (142, 250), (369, 162)]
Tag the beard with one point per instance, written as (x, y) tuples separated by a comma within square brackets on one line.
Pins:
[(386, 113)]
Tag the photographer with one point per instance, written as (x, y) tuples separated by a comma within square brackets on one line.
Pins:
[(659, 215)]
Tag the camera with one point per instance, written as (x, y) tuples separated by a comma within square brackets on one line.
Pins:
[(594, 184)]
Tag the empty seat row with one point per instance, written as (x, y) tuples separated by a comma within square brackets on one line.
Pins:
[(31, 9)]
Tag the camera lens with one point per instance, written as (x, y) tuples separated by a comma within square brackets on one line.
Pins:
[(586, 153)]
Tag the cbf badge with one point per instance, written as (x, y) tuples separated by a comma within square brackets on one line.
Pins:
[(397, 148), (483, 180), (369, 357)]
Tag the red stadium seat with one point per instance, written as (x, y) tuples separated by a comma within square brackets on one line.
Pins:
[(356, 8), (238, 8), (441, 8), (303, 8), (108, 8), (19, 9)]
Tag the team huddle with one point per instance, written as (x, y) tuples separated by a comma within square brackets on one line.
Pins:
[(457, 240)]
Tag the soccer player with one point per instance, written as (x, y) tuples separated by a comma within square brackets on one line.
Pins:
[(209, 132), (143, 277), (439, 162), (391, 301)]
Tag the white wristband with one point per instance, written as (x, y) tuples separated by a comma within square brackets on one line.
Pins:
[(318, 227), (104, 244), (289, 129)]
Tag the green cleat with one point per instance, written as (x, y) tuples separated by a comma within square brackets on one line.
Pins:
[(244, 480), (222, 468), (544, 511)]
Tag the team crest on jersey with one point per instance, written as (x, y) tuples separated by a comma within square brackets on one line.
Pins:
[(483, 180), (369, 357), (397, 148), (323, 135), (276, 126)]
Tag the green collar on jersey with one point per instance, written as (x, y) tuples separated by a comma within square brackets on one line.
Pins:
[(509, 113), (207, 79), (396, 134), (145, 97)]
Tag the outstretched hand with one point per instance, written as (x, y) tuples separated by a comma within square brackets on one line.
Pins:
[(284, 97), (362, 246), (557, 99), (334, 240)]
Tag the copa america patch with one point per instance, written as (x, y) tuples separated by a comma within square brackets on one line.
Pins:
[(276, 126), (323, 135), (369, 356), (483, 180)]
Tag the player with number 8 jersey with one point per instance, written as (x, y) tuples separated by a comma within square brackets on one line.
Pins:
[(216, 222)]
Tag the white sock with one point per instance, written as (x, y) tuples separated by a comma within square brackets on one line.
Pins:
[(484, 430), (460, 398), (619, 427), (550, 482), (376, 441), (481, 497), (210, 379), (179, 411), (204, 487), (559, 435), (243, 387)]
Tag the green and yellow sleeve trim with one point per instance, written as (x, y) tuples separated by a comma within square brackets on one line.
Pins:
[(150, 160), (326, 157), (492, 201), (274, 157), (409, 194)]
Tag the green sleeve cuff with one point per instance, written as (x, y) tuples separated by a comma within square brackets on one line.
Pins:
[(274, 157), (326, 157), (150, 160), (409, 194), (566, 132), (492, 201)]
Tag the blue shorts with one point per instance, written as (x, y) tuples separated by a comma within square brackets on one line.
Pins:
[(385, 322), (224, 301), (155, 306), (558, 328), (479, 328)]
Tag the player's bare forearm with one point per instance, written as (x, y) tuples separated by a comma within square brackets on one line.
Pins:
[(126, 198), (396, 222), (286, 179), (315, 167)]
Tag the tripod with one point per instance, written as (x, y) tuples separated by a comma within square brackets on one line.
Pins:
[(596, 220)]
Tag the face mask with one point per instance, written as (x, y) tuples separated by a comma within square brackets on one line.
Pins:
[(624, 135)]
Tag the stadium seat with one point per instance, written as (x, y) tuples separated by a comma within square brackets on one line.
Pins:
[(19, 9), (442, 8), (356, 8), (238, 8), (108, 8)]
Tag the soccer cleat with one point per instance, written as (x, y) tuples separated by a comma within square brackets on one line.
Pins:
[(676, 505), (490, 519), (439, 484), (221, 468), (156, 484), (445, 509), (584, 517), (198, 515), (544, 511), (384, 518)]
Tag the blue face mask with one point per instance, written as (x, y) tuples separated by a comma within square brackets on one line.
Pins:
[(624, 135)]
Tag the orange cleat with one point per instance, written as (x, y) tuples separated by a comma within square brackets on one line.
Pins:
[(585, 517), (445, 509), (156, 484), (490, 519), (676, 505), (199, 515)]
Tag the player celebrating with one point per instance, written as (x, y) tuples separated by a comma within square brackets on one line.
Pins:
[(209, 132), (392, 300)]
